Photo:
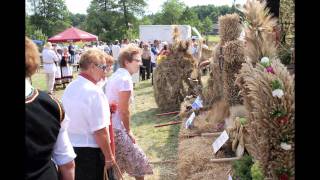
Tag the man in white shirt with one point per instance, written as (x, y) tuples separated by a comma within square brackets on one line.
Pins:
[(49, 59), (115, 53), (89, 113)]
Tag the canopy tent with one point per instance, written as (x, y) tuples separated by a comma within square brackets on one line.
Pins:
[(38, 42), (73, 34)]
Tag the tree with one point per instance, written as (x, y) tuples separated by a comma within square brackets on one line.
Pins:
[(50, 16), (114, 19), (172, 11), (77, 20), (207, 25)]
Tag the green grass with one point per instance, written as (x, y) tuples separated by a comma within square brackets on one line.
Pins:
[(158, 143), (213, 38)]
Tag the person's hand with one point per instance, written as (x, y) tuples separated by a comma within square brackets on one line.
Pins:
[(132, 137), (109, 162)]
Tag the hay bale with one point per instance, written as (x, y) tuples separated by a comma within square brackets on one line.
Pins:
[(171, 83), (194, 154), (194, 160), (233, 53), (229, 27)]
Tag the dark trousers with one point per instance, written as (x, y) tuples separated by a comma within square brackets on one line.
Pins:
[(147, 66), (153, 65), (90, 164)]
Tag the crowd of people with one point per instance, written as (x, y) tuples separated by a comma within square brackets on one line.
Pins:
[(88, 135)]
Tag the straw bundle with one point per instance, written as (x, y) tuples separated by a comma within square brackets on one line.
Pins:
[(229, 27), (171, 83), (207, 121), (258, 26), (233, 59), (263, 132), (213, 91)]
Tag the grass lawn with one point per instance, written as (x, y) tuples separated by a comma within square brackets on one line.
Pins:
[(213, 38), (158, 143)]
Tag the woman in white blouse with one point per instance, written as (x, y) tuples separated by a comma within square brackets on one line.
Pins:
[(119, 90)]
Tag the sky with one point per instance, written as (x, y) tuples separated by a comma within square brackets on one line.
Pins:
[(80, 6)]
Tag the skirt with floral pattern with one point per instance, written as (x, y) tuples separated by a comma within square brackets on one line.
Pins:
[(129, 156)]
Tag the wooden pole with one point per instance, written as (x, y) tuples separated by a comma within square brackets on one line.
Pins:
[(225, 159), (167, 113), (202, 135), (165, 161), (168, 124)]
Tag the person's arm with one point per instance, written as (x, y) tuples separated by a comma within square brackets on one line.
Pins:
[(103, 140), (124, 97), (63, 154), (66, 171), (99, 122)]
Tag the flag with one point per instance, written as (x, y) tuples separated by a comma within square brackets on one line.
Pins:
[(197, 104)]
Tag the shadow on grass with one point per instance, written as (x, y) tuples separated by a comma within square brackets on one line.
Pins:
[(142, 85), (161, 142), (144, 93)]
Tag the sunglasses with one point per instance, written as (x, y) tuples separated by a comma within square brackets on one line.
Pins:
[(103, 67)]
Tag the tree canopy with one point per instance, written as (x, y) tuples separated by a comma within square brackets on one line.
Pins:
[(117, 19)]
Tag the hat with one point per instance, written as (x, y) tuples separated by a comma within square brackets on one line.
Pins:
[(48, 45)]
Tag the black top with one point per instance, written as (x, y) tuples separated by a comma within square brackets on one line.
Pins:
[(42, 124), (63, 62)]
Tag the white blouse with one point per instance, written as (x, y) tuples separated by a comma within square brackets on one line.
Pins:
[(121, 80), (88, 110)]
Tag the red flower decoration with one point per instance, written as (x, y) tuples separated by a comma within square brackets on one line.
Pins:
[(113, 107), (283, 120), (283, 177), (270, 70)]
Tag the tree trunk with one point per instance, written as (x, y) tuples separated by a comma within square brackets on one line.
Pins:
[(125, 13)]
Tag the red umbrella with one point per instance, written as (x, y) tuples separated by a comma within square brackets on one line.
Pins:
[(73, 34)]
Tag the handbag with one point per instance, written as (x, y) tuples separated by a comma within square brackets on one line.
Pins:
[(112, 173)]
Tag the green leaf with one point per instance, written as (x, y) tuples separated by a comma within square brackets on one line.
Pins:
[(256, 172), (276, 84)]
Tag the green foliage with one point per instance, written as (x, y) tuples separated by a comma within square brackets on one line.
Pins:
[(284, 54), (50, 16), (278, 112), (29, 27), (117, 19), (207, 25), (112, 20), (77, 20), (276, 84), (256, 172), (243, 121), (38, 35), (242, 168), (171, 12)]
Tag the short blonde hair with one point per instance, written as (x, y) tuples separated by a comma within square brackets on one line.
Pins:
[(127, 54), (32, 57), (93, 55), (109, 59)]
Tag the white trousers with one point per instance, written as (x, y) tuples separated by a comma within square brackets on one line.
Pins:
[(50, 81)]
